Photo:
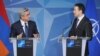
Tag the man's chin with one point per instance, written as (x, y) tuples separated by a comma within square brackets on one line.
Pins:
[(27, 20), (75, 16)]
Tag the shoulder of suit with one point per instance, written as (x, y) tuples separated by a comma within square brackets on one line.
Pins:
[(87, 20), (32, 22), (16, 23)]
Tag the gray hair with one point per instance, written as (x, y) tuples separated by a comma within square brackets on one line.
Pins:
[(22, 11)]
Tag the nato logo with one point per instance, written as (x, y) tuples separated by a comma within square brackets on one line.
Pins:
[(95, 29), (21, 43), (70, 43)]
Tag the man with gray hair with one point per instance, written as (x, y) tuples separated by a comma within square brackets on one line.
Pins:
[(24, 27)]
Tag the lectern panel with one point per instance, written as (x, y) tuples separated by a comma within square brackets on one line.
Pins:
[(74, 47), (24, 47)]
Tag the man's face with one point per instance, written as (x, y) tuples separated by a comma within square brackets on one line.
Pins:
[(26, 16), (76, 11)]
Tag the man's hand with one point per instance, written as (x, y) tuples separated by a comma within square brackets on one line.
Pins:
[(20, 35), (36, 35), (73, 37)]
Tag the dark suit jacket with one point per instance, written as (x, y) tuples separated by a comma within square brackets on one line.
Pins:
[(84, 29), (17, 29)]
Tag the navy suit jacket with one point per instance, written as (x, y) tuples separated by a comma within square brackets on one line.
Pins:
[(84, 29), (17, 29)]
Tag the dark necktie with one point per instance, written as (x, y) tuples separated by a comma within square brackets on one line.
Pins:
[(26, 30)]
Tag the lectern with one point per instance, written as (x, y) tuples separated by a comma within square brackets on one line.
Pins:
[(73, 47), (24, 46)]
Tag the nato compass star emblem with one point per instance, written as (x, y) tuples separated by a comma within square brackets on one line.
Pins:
[(95, 29)]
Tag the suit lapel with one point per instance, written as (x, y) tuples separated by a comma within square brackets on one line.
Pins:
[(29, 28), (21, 28), (81, 23)]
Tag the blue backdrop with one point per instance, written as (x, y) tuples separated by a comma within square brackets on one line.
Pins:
[(51, 16)]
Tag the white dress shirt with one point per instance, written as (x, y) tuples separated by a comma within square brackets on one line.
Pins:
[(79, 19), (23, 24)]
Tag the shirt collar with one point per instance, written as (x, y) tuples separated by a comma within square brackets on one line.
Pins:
[(23, 23), (81, 17)]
